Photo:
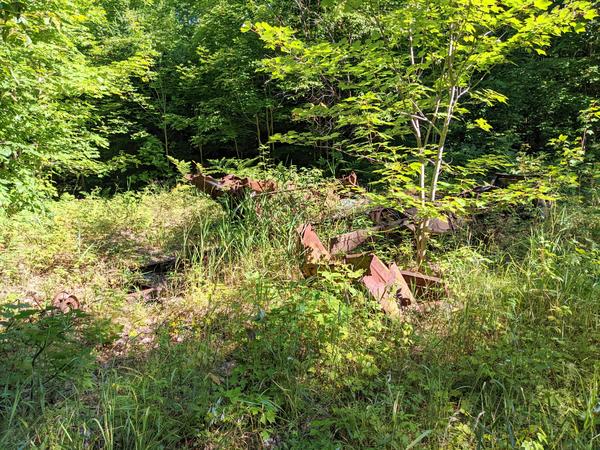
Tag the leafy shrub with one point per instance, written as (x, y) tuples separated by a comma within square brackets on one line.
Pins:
[(44, 350)]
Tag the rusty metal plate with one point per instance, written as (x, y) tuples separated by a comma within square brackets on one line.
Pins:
[(350, 180), (345, 243), (313, 249), (381, 282), (425, 285)]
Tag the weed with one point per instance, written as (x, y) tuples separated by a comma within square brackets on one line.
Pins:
[(239, 351)]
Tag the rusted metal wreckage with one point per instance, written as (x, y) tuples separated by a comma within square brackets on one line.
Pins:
[(231, 185), (395, 289), (391, 287), (63, 301)]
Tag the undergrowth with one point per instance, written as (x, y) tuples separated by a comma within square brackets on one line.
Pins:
[(240, 351)]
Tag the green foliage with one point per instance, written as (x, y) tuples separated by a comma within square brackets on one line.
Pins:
[(242, 353), (547, 94), (45, 353), (52, 71), (397, 92), (115, 88), (235, 349)]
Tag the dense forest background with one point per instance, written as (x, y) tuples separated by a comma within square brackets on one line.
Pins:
[(99, 94)]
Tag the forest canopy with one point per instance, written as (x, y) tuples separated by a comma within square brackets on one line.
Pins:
[(100, 94)]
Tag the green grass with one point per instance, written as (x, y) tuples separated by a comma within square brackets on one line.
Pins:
[(241, 352)]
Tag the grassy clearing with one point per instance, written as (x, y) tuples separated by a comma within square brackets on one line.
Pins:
[(241, 352)]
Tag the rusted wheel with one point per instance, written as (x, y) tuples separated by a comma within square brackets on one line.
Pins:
[(65, 302)]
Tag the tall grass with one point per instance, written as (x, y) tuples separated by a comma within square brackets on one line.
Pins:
[(247, 354)]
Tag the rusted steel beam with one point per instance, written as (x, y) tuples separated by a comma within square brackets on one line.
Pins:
[(345, 243), (425, 285), (315, 253), (230, 184), (206, 184), (391, 218)]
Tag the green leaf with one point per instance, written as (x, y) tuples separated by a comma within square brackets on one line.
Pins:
[(5, 151), (542, 4), (483, 124), (419, 438)]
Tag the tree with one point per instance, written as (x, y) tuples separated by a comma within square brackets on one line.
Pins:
[(396, 92), (52, 73), (205, 96)]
